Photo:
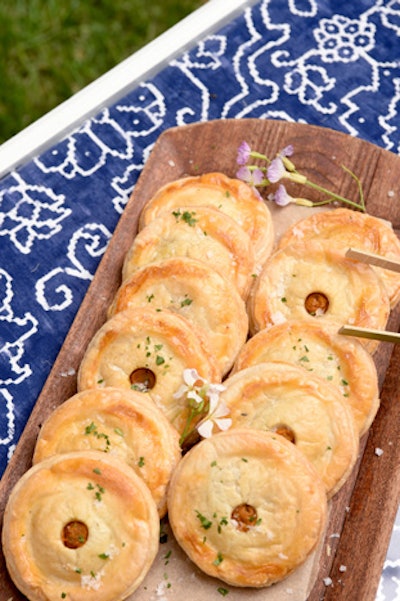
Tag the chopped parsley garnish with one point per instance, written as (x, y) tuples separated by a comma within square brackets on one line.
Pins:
[(205, 523), (223, 522), (186, 216), (186, 302), (92, 429), (166, 557), (99, 490), (218, 560)]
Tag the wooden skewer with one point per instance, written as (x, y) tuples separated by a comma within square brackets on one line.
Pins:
[(373, 259), (382, 335)]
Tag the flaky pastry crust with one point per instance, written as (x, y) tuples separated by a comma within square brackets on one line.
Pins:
[(229, 195), (308, 410), (320, 350), (199, 293), (247, 507), (201, 233), (97, 496), (344, 228), (121, 422), (353, 293), (148, 350)]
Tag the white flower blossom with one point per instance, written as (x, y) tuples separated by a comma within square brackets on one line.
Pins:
[(193, 384), (217, 415), (203, 396)]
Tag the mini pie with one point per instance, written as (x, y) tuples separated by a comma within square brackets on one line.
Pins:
[(344, 228), (118, 421), (310, 281), (148, 350), (247, 507), (308, 410), (80, 526), (318, 348), (199, 233), (231, 196), (198, 292)]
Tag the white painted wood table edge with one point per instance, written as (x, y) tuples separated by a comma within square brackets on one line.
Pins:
[(116, 82)]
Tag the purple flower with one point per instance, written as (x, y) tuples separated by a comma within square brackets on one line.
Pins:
[(243, 154), (282, 167), (281, 197), (276, 170), (287, 151), (253, 177)]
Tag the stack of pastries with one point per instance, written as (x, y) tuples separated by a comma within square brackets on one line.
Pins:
[(207, 288)]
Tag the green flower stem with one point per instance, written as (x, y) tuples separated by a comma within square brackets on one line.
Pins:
[(258, 155), (257, 167), (334, 196), (188, 429)]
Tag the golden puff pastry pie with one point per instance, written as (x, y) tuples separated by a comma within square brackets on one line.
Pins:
[(247, 507), (318, 348), (199, 293), (307, 410), (80, 526), (148, 350), (231, 196), (344, 228), (122, 423), (310, 281), (199, 233)]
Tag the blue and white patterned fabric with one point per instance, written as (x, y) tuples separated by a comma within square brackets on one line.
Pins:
[(334, 63)]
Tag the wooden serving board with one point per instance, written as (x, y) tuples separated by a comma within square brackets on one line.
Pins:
[(363, 512)]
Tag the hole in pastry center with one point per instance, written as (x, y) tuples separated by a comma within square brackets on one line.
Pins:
[(286, 432), (74, 534), (245, 516), (142, 379), (316, 303)]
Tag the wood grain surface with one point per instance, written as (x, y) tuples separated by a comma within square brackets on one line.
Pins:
[(363, 512)]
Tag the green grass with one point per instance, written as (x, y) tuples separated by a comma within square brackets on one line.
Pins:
[(50, 49)]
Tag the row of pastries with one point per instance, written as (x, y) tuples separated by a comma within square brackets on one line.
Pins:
[(208, 291)]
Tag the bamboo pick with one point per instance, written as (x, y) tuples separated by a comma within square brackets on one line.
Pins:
[(373, 259), (382, 335)]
